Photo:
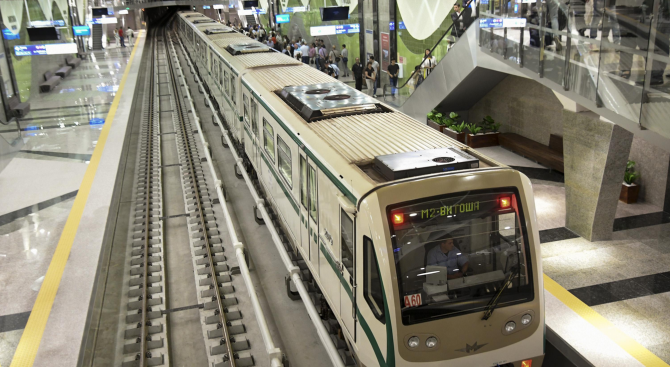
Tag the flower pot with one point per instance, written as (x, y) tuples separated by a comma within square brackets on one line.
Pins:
[(629, 193), (483, 140), (435, 125), (454, 135)]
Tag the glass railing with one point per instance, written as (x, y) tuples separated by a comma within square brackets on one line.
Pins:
[(398, 95), (613, 54)]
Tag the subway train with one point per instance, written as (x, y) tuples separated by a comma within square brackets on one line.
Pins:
[(426, 251)]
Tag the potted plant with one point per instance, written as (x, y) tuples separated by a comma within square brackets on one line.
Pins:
[(436, 120), (456, 131), (485, 135), (629, 189)]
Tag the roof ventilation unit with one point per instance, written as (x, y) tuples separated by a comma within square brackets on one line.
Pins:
[(247, 48), (423, 162), (192, 15), (328, 100), (201, 21), (218, 30)]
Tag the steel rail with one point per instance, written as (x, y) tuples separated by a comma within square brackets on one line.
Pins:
[(324, 336), (222, 315), (274, 352), (147, 212)]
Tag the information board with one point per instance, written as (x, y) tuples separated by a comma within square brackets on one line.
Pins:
[(283, 18), (108, 20), (217, 6), (50, 49), (81, 30), (502, 23), (9, 35), (328, 30), (295, 9)]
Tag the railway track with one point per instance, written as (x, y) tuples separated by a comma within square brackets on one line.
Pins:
[(231, 335)]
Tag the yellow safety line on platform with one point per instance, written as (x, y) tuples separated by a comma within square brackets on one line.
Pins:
[(26, 351), (635, 349)]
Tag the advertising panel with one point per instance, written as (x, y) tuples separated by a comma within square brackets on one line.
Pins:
[(50, 49), (385, 40)]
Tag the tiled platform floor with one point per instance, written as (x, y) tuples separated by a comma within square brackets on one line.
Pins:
[(626, 279), (39, 185)]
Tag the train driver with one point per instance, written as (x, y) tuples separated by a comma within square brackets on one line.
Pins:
[(448, 255)]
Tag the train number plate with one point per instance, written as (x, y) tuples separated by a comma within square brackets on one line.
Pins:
[(413, 300)]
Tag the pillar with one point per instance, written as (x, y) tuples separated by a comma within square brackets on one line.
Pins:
[(595, 154)]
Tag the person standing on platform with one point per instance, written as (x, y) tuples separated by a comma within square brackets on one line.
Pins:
[(123, 43), (375, 66), (334, 56), (312, 55), (370, 76), (345, 60), (304, 49), (322, 57), (393, 71), (357, 69), (131, 36), (116, 37)]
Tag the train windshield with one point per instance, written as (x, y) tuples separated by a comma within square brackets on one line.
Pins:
[(453, 253)]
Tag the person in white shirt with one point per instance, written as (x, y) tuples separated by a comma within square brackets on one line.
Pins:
[(375, 67), (131, 36), (428, 64), (304, 49), (332, 69), (345, 60)]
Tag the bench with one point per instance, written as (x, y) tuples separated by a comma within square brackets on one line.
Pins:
[(50, 82), (550, 156), (18, 109), (63, 71), (72, 62)]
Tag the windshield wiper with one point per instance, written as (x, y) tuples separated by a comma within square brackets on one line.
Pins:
[(493, 302)]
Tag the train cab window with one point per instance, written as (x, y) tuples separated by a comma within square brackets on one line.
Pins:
[(269, 139), (347, 237), (303, 182), (453, 253), (245, 103), (372, 283), (254, 116), (312, 194), (284, 161)]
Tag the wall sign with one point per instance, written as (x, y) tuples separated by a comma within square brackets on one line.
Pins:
[(328, 30), (50, 49)]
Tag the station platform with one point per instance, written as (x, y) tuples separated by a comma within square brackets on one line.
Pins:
[(606, 301), (54, 204)]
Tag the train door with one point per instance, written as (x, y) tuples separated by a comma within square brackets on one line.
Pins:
[(304, 204), (313, 214), (347, 250)]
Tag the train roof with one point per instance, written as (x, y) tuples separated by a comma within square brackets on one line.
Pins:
[(366, 128)]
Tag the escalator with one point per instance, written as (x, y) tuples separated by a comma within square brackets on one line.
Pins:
[(459, 79)]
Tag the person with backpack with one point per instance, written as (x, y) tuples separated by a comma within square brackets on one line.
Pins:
[(334, 55), (322, 57)]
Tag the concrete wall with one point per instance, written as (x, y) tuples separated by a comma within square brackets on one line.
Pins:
[(523, 107), (653, 165)]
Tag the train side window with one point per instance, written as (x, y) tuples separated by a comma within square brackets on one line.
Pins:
[(225, 82), (245, 103), (269, 139), (254, 117), (221, 73), (232, 88), (303, 182), (284, 161), (347, 238), (313, 205), (372, 284)]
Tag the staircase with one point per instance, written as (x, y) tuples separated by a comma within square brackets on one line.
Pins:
[(97, 36)]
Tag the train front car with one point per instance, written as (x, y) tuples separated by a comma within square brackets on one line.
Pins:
[(451, 271)]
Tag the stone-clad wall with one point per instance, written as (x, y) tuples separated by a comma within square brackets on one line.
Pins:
[(524, 107), (652, 163)]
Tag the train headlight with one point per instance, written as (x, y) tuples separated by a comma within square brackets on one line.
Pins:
[(510, 326), (431, 342), (526, 319), (413, 342)]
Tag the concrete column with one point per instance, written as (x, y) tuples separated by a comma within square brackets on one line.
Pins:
[(595, 154)]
